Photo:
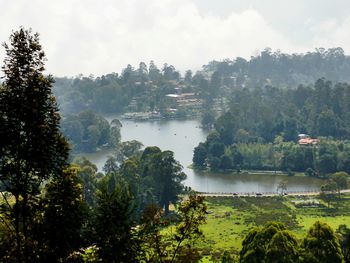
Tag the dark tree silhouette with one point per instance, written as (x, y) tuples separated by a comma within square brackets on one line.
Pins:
[(32, 148)]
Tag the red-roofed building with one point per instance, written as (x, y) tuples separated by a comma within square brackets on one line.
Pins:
[(308, 141)]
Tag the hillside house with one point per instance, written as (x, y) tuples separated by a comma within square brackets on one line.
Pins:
[(305, 139)]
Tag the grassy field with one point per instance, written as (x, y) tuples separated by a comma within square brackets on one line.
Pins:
[(230, 219)]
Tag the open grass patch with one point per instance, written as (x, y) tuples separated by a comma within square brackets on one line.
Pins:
[(231, 218)]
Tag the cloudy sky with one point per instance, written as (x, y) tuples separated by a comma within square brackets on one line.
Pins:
[(103, 36)]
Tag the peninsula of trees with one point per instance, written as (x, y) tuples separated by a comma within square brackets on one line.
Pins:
[(260, 130)]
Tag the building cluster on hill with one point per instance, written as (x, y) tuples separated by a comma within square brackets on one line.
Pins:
[(183, 100)]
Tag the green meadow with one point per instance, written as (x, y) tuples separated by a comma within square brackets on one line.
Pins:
[(229, 219)]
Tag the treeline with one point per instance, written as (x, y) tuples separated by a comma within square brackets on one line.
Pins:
[(315, 160), (113, 93), (144, 88), (281, 69), (87, 131), (261, 114)]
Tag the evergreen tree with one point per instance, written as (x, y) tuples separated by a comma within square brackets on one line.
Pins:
[(344, 239), (167, 176), (199, 155), (64, 215), (271, 243), (32, 148), (323, 244), (114, 221)]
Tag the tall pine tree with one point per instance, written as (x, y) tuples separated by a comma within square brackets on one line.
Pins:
[(32, 148)]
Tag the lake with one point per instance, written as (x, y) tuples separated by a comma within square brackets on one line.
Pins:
[(181, 136)]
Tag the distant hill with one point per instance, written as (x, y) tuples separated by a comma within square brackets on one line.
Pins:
[(144, 88)]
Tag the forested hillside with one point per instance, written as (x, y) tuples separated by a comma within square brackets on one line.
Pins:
[(284, 70), (144, 88)]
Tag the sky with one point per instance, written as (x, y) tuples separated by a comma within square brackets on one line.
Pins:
[(103, 36)]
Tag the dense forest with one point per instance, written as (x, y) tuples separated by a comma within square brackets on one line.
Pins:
[(260, 129), (88, 131), (144, 88), (112, 93)]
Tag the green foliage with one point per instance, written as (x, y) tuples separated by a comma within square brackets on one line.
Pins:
[(227, 258), (7, 237), (85, 255), (280, 69), (152, 175), (87, 173), (216, 149), (336, 182), (271, 243), (64, 213), (32, 149), (214, 163), (178, 245), (208, 119), (127, 149), (344, 239), (327, 157), (87, 131), (199, 155), (328, 191), (114, 223), (229, 219), (191, 212), (166, 176), (111, 165), (226, 162), (226, 126), (341, 179), (258, 116), (323, 244), (152, 222), (141, 89)]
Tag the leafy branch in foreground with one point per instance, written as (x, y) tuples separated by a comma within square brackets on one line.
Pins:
[(177, 246)]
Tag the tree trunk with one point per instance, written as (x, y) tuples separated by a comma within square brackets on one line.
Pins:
[(24, 226), (17, 223), (166, 208)]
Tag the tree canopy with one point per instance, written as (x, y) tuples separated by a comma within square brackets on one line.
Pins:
[(32, 148)]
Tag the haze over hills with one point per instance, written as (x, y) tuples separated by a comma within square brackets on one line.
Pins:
[(147, 85)]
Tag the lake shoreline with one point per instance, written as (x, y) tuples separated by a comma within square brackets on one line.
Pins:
[(181, 137)]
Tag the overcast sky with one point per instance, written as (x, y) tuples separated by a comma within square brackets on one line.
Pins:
[(102, 36)]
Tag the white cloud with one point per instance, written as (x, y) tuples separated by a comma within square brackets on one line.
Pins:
[(332, 33), (90, 36)]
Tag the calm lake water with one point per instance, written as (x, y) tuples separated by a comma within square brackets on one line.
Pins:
[(181, 136)]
